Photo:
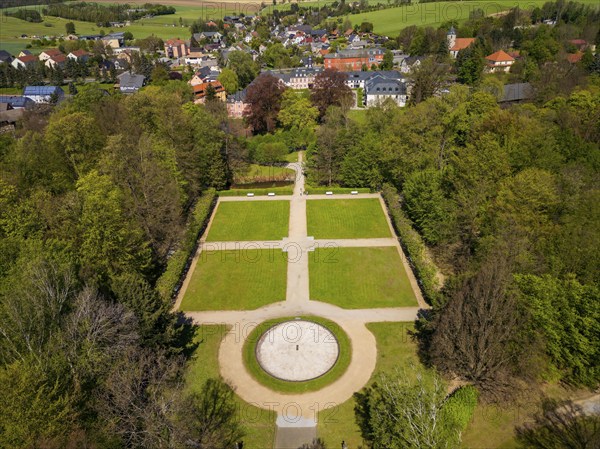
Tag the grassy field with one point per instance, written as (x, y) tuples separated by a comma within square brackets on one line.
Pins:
[(346, 219), (297, 387), (259, 423), (236, 280), (165, 27), (395, 350), (356, 278), (252, 220), (391, 21), (358, 115)]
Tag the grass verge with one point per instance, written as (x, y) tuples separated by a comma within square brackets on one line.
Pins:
[(259, 424)]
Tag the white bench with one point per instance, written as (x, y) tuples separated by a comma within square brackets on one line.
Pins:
[(271, 194), (328, 193), (249, 194), (354, 192)]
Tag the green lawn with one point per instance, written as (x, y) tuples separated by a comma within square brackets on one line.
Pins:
[(262, 173), (356, 278), (250, 220), (259, 423), (236, 280), (395, 350), (297, 387), (391, 21), (346, 219), (358, 115)]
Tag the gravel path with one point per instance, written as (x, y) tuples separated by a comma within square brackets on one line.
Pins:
[(297, 409)]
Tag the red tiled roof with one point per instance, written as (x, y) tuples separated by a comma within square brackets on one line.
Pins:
[(53, 52), (578, 42), (200, 89), (27, 58), (500, 56), (59, 58), (79, 53), (175, 42), (574, 58), (462, 42)]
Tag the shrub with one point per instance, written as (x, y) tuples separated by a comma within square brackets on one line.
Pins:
[(412, 243), (170, 281), (257, 192), (459, 407)]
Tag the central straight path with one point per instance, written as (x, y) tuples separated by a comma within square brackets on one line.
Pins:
[(299, 411)]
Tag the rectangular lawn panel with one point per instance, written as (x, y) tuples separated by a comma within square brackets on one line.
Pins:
[(360, 278), (236, 280), (346, 219), (250, 220)]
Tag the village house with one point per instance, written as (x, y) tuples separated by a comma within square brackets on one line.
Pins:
[(79, 55), (236, 104), (379, 88), (114, 40), (499, 61), (456, 44), (130, 83), (176, 48), (23, 62), (49, 54), (17, 101), (5, 57), (201, 90), (56, 61), (44, 94), (346, 60)]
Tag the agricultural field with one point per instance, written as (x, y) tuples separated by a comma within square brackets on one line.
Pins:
[(392, 20), (247, 221), (360, 278), (346, 219), (165, 27), (245, 279)]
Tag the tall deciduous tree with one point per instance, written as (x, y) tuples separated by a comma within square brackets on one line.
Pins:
[(330, 89), (264, 102), (475, 334), (229, 80), (243, 66), (428, 79), (297, 111)]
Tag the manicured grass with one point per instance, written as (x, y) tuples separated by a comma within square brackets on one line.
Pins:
[(346, 219), (250, 220), (297, 387), (236, 280), (357, 278), (292, 157), (259, 424), (257, 192), (358, 115), (262, 173), (395, 350)]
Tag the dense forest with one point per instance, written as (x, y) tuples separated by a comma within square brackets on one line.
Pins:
[(94, 198)]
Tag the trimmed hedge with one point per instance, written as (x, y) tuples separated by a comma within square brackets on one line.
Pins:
[(338, 190), (459, 407), (413, 246), (257, 192), (170, 281)]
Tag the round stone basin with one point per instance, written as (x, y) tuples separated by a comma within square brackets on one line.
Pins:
[(297, 350)]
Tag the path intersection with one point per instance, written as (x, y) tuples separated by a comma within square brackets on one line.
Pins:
[(300, 410)]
